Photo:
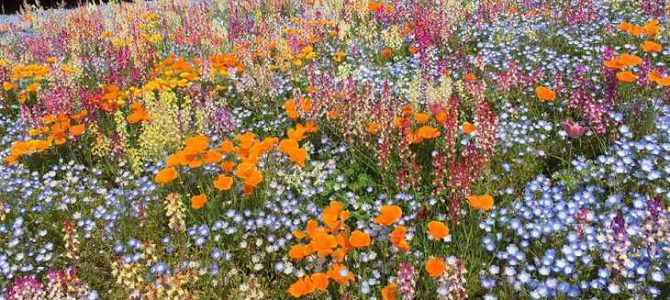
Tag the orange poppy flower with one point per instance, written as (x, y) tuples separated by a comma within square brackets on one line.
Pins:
[(468, 127), (310, 127), (305, 104), (651, 46), (427, 132), (470, 77), (198, 202), (375, 6), (435, 267), (301, 287), (629, 60), (166, 175), (254, 178), (483, 202), (287, 144), (334, 216), (227, 147), (389, 291), (333, 114), (545, 93), (196, 144), (291, 109), (299, 251), (654, 76), (374, 128), (298, 156), (319, 281), (421, 118), (323, 243), (624, 26), (651, 28), (297, 133), (398, 238), (626, 76), (212, 157), (227, 166), (441, 117), (80, 115), (340, 274), (388, 215), (407, 109), (77, 130), (386, 52), (7, 86), (663, 81), (223, 182), (359, 239), (635, 30), (613, 64), (438, 230)]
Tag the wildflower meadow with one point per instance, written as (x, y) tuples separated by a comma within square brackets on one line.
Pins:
[(336, 149)]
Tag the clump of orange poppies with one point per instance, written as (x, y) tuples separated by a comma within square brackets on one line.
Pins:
[(57, 128), (237, 158), (418, 120), (174, 71), (332, 239), (138, 114)]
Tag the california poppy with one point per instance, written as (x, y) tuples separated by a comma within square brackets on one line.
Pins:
[(438, 230), (198, 202), (227, 147), (388, 215), (651, 46), (398, 238), (435, 267), (301, 287), (427, 132), (629, 60), (373, 128), (386, 52), (166, 175), (319, 281), (626, 76), (545, 93), (421, 118), (483, 202), (299, 251), (340, 274), (651, 28), (77, 130), (468, 127), (359, 239), (223, 182), (389, 291)]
